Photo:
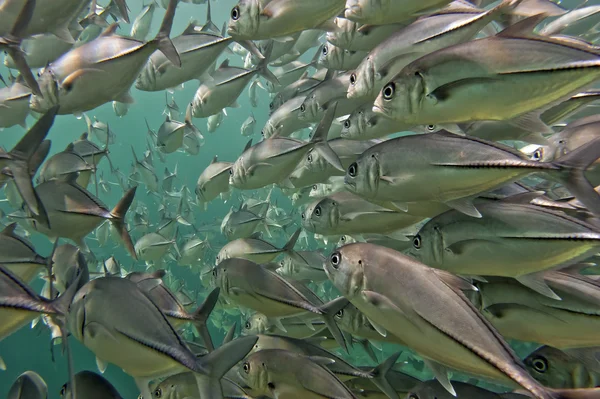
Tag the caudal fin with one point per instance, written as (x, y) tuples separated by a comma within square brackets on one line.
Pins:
[(212, 367), (572, 167), (118, 219), (201, 316), (162, 40)]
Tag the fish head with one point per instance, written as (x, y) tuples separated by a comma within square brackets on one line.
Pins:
[(428, 245), (355, 126), (362, 80), (404, 97), (258, 323), (309, 109), (253, 372), (269, 130), (363, 175), (200, 103), (77, 317), (330, 56), (275, 103), (344, 34), (552, 367), (218, 277), (146, 80), (345, 240), (320, 215), (49, 88), (360, 10), (222, 255), (244, 19), (345, 269), (312, 163), (544, 153)]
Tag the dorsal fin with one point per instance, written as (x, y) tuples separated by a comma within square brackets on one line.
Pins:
[(248, 145), (225, 63), (70, 148), (523, 28), (9, 230), (191, 28), (84, 136), (215, 159), (110, 30)]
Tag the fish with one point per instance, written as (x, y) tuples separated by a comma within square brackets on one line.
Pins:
[(438, 96), (106, 67), (141, 24), (158, 351), (358, 37), (284, 121), (387, 11), (213, 181), (68, 266), (340, 59), (225, 86), (257, 19), (28, 385), (23, 161), (520, 250), (346, 213), (152, 247), (294, 327), (272, 160), (243, 281), (184, 385), (279, 373), (66, 163), (256, 249), (432, 389), (15, 104), (574, 368), (171, 133), (19, 255), (90, 385), (306, 265), (364, 274), (374, 179), (70, 205), (247, 128)]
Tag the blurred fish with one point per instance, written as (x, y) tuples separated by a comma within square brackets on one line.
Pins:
[(571, 368), (90, 385), (214, 121), (141, 24), (28, 385), (247, 128), (213, 181), (171, 133), (256, 249)]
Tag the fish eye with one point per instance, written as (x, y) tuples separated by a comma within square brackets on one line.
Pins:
[(248, 325), (246, 367), (389, 90), (340, 314), (347, 123), (353, 79), (314, 187), (353, 169), (430, 128), (417, 242), (302, 108), (318, 210), (336, 258), (303, 215), (540, 364), (63, 390), (158, 393), (271, 105), (235, 13), (214, 272), (537, 155), (309, 158), (325, 51), (231, 171)]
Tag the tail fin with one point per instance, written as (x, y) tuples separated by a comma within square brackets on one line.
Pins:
[(201, 317), (162, 40), (209, 26), (379, 374), (25, 155), (264, 63), (217, 363), (319, 138), (329, 310), (118, 219), (572, 167)]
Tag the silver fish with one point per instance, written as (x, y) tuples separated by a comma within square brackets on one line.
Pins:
[(381, 12), (214, 121), (106, 67), (247, 128), (65, 163), (340, 59), (347, 213), (171, 133), (213, 181), (259, 19), (380, 173), (426, 91), (19, 256), (141, 24), (256, 249), (306, 266), (284, 121), (14, 106), (118, 339), (272, 160), (40, 50), (354, 36), (421, 306), (571, 368), (433, 390)]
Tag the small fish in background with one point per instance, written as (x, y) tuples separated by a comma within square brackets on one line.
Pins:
[(171, 108), (121, 109), (28, 385), (247, 128), (213, 122), (142, 23)]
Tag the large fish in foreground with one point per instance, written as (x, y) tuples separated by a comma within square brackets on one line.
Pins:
[(101, 71), (427, 309), (511, 76), (420, 173), (121, 325)]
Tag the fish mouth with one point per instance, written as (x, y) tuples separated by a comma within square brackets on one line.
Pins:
[(349, 182), (378, 109)]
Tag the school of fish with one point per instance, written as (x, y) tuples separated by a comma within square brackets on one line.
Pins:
[(425, 189)]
